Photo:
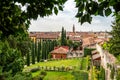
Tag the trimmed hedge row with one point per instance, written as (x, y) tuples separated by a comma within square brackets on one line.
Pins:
[(54, 68)]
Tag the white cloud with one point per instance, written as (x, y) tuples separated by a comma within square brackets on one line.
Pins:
[(67, 18)]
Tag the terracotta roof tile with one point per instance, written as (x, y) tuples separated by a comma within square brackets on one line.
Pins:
[(45, 35), (95, 56), (32, 35), (94, 52), (88, 41), (60, 50)]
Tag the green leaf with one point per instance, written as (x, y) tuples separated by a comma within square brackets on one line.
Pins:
[(108, 12), (78, 4), (94, 7), (79, 14), (81, 7), (60, 8), (83, 19), (100, 12), (100, 0), (55, 10), (89, 18)]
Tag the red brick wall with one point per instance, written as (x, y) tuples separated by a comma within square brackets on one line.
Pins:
[(59, 56)]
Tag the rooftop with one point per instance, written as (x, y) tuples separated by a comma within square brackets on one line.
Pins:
[(60, 50)]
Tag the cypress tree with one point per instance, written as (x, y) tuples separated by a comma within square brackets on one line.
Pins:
[(36, 46), (63, 37), (43, 50), (28, 59), (33, 53), (49, 46), (55, 43), (47, 49), (38, 53)]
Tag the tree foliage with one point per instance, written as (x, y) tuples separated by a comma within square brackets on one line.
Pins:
[(20, 76), (115, 40), (88, 51), (63, 37), (10, 59), (14, 20), (76, 45), (33, 53), (87, 8), (118, 74), (106, 46), (39, 51), (28, 59), (69, 43)]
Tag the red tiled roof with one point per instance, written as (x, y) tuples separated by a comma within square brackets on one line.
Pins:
[(45, 35), (98, 40), (66, 47), (32, 35), (60, 50), (94, 52), (88, 41), (75, 38), (96, 56)]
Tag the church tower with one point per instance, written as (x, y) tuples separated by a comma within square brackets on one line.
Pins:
[(73, 28)]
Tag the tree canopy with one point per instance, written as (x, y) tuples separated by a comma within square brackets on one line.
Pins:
[(115, 40), (14, 23), (88, 8), (14, 20), (63, 39)]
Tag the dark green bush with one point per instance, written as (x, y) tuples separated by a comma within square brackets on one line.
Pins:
[(35, 69), (87, 51), (20, 76), (112, 73), (62, 68), (43, 73), (80, 75), (101, 75)]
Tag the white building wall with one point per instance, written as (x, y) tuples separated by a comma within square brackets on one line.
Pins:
[(103, 56)]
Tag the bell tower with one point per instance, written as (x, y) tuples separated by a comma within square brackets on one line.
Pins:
[(73, 28)]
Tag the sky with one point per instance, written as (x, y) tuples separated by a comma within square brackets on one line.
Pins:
[(67, 18)]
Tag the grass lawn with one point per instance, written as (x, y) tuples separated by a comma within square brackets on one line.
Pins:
[(51, 75), (75, 75), (59, 76), (84, 63), (57, 63)]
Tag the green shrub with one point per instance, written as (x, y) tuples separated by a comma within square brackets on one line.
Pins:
[(54, 68), (87, 51), (46, 68), (50, 68), (62, 68), (35, 69), (118, 75), (102, 73), (112, 73), (80, 75), (20, 76), (42, 75)]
